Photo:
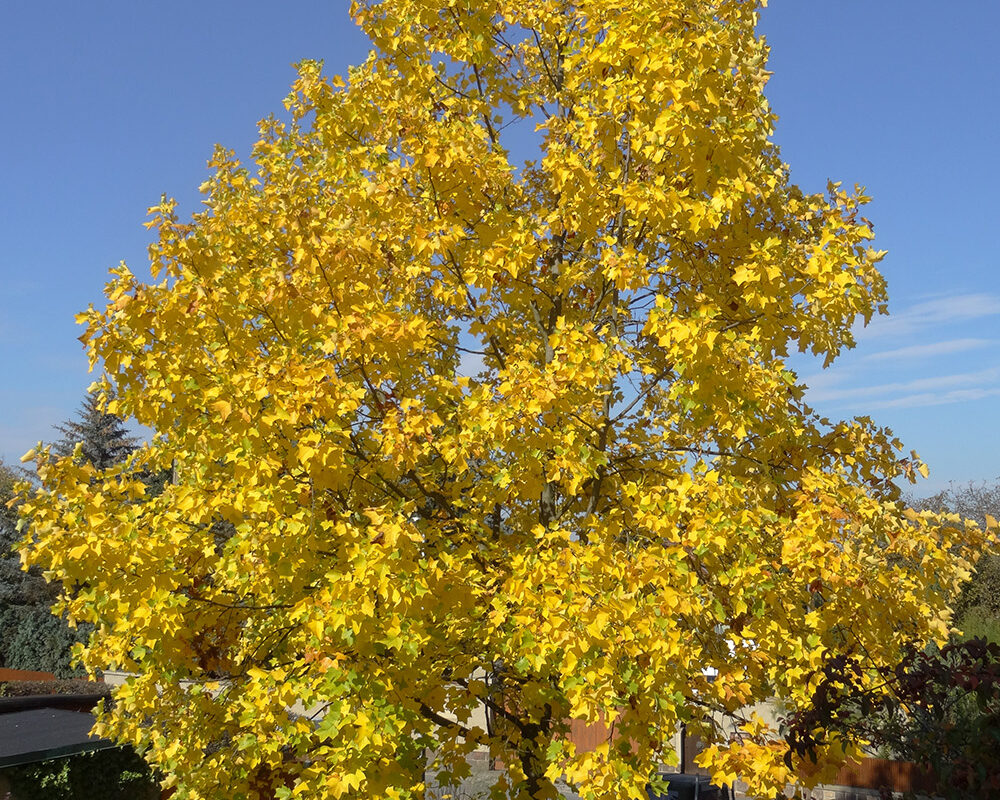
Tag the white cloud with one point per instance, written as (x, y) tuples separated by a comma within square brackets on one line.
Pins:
[(941, 310), (918, 351), (908, 351), (979, 378), (936, 398)]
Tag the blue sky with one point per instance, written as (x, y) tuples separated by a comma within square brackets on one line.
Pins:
[(107, 105)]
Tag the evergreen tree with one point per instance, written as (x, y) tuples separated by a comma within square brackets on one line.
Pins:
[(104, 437)]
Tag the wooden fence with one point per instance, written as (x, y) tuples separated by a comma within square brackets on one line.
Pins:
[(24, 675), (876, 773)]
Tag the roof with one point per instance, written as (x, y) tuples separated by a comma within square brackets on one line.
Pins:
[(41, 734)]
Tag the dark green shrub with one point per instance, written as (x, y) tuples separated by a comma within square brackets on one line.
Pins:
[(32, 638), (116, 774)]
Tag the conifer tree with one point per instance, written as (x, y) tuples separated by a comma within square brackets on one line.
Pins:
[(104, 438)]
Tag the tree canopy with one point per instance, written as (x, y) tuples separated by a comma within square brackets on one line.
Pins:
[(474, 394)]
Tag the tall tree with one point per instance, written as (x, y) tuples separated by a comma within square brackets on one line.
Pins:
[(103, 438), (629, 512)]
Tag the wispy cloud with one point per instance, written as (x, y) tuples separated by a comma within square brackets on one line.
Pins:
[(919, 351), (903, 369), (936, 398), (941, 310), (941, 383)]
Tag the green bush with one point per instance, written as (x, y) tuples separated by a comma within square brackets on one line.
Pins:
[(35, 639)]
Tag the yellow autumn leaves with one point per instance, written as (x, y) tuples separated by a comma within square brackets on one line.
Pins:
[(441, 432)]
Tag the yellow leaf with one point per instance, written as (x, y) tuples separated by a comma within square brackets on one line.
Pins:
[(222, 408)]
